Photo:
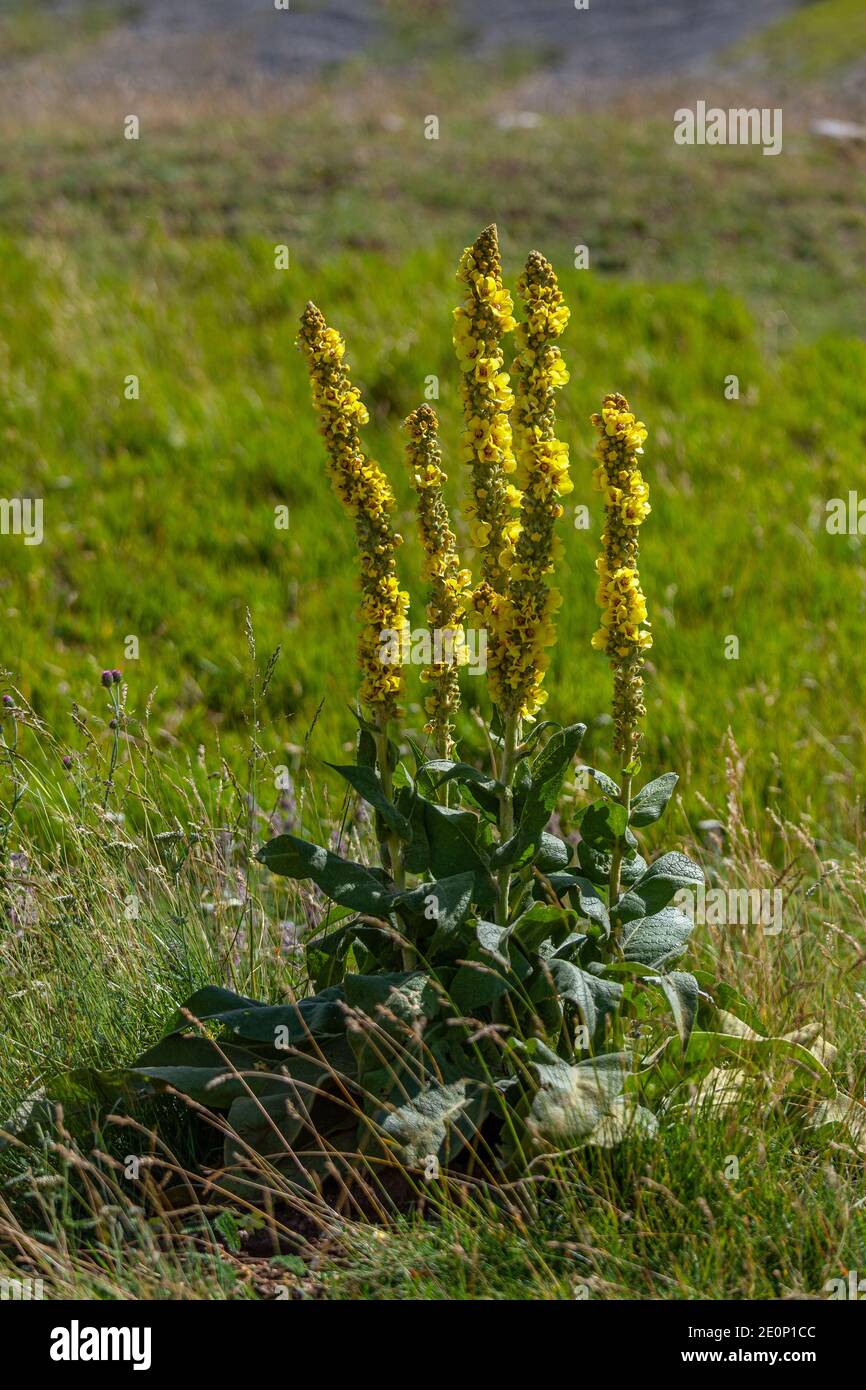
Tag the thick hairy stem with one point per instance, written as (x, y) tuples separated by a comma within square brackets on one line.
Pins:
[(506, 808), (392, 841), (619, 847)]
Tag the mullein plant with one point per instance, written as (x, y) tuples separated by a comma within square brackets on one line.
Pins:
[(366, 494), (447, 582), (489, 994)]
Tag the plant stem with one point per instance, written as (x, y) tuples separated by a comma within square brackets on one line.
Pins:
[(392, 840), (619, 848), (506, 808)]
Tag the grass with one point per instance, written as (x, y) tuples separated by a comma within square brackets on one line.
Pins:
[(176, 493), (818, 41), (89, 988), (155, 259), (28, 32)]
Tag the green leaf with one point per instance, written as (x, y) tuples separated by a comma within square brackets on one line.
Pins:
[(416, 855), (485, 789), (452, 836), (540, 922), (602, 823), (548, 771), (664, 878), (583, 896), (215, 1086), (573, 1100), (81, 1093), (406, 997), (325, 957), (194, 1050), (267, 1125), (492, 968), (605, 784), (681, 991), (207, 1002), (593, 997), (596, 866), (319, 1016), (446, 904), (346, 883), (650, 803), (446, 901), (367, 784), (552, 853), (437, 1122), (625, 1120), (535, 734), (657, 938)]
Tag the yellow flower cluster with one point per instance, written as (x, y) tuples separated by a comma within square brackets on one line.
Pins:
[(362, 487), (448, 583), (480, 323), (523, 627), (624, 633)]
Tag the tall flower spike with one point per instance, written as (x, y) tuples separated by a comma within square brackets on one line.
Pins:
[(480, 323), (447, 582), (363, 489), (624, 633), (525, 629)]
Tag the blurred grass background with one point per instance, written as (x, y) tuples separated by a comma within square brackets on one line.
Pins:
[(156, 258)]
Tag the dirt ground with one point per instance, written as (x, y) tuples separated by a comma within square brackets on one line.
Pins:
[(158, 44)]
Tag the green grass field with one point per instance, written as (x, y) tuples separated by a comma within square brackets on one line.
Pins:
[(155, 259)]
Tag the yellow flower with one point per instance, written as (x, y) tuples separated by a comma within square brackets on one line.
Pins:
[(447, 581), (524, 631), (624, 633), (480, 323), (364, 491)]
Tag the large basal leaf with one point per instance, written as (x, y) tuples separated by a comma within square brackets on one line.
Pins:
[(80, 1093), (651, 801), (572, 1100), (195, 1050), (319, 1016), (346, 883), (437, 1122), (408, 998), (210, 1001), (367, 784), (268, 1126), (625, 1120), (216, 1086)]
